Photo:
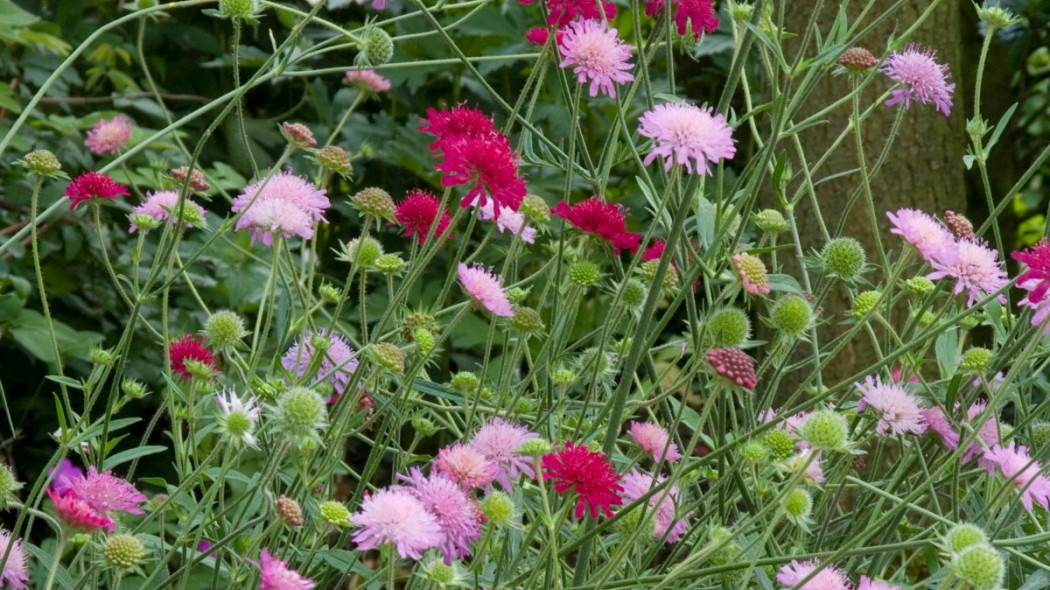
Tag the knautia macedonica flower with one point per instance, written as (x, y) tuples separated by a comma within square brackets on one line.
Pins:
[(939, 424), (922, 231), (1026, 473), (298, 135), (189, 348), (489, 166), (752, 273), (655, 440), (1036, 280), (563, 12), (662, 504), (828, 578), (975, 268), (466, 466), (898, 411), (289, 511), (77, 513), (601, 218), (498, 441), (397, 517), (508, 221), (596, 55), (486, 288), (89, 499), (418, 211), (687, 135), (367, 80), (922, 79), (165, 204), (698, 15), (857, 59), (276, 575), (588, 474), (867, 583), (108, 136), (733, 364), (93, 185), (15, 573), (280, 206), (331, 354), (459, 122), (238, 416), (456, 513), (63, 475), (809, 459)]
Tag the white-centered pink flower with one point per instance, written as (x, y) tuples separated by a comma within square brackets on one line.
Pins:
[(828, 577), (898, 411)]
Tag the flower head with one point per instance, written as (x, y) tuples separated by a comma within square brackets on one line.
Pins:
[(93, 185), (655, 440), (417, 213), (923, 79), (922, 231), (368, 80), (164, 204), (189, 348), (987, 433), (1026, 473), (508, 220), (662, 503), (499, 441), (397, 517), (466, 466), (699, 13), (734, 365), (586, 473), (489, 166), (898, 411), (563, 12), (828, 578), (459, 122), (76, 512), (14, 573), (486, 288), (601, 218), (276, 575), (684, 134), (597, 55), (108, 136), (282, 205), (65, 473), (1036, 280), (975, 268), (867, 583), (938, 422), (105, 492), (752, 273), (338, 360), (238, 416), (456, 513)]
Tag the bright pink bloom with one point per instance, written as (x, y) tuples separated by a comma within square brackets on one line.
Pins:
[(460, 122), (276, 575), (76, 512), (189, 348), (397, 517), (164, 204), (662, 503), (601, 218), (282, 205), (537, 36), (272, 218), (1013, 462), (93, 185), (106, 492), (368, 80), (338, 363), (65, 473), (597, 55), (488, 166), (975, 268), (455, 512), (563, 12), (867, 583), (417, 212), (654, 439), (466, 466), (924, 80), (700, 12), (734, 365), (987, 432), (1036, 280), (655, 251), (586, 473), (684, 134), (15, 574), (499, 441), (922, 231), (107, 137), (486, 288), (899, 412), (828, 578), (508, 221), (939, 424)]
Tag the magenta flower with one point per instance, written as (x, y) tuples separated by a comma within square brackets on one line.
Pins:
[(15, 574), (655, 440), (336, 366), (367, 80), (596, 54), (488, 166), (164, 204), (828, 578), (588, 474), (1036, 280), (276, 575), (455, 512), (107, 492), (867, 583), (683, 134), (65, 473), (975, 268), (397, 517), (922, 78), (281, 206), (93, 185), (700, 14), (1026, 473), (466, 466), (662, 504), (922, 231), (107, 137), (498, 441), (486, 288), (76, 512), (899, 412)]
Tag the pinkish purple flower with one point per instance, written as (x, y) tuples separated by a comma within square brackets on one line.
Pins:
[(164, 204), (397, 517), (498, 441), (509, 220), (65, 473), (597, 55), (106, 492), (939, 424), (14, 574), (922, 231), (828, 578), (987, 433), (455, 512), (466, 466), (283, 205), (814, 471), (898, 411), (923, 79), (486, 288), (276, 575), (368, 80), (336, 367), (661, 503), (867, 583), (76, 512), (684, 134), (1026, 473), (107, 137), (975, 268), (655, 440)]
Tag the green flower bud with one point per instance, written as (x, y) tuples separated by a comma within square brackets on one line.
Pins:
[(441, 574), (465, 382), (329, 293), (389, 356), (634, 294), (224, 330), (865, 303), (996, 17), (791, 314), (797, 505), (969, 322), (527, 320), (728, 327), (584, 273), (363, 252), (9, 486), (770, 221), (335, 159), (980, 566), (102, 356), (498, 508), (844, 258), (80, 539), (334, 513), (133, 389), (239, 9), (976, 359), (564, 377), (199, 370), (422, 425), (927, 318), (378, 48), (754, 451), (42, 163), (1040, 435), (123, 551), (390, 264), (742, 12), (826, 430), (961, 536), (375, 202), (146, 222), (535, 447), (920, 286), (535, 210), (424, 340), (300, 413), (781, 445)]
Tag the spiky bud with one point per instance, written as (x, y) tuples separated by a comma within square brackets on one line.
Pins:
[(535, 447), (976, 359), (963, 535), (584, 273), (329, 293), (9, 486), (42, 163), (374, 201), (1040, 435), (378, 48), (123, 551), (146, 222), (727, 327), (300, 413), (102, 356), (771, 221), (298, 134), (239, 9), (224, 330), (422, 425), (516, 294), (781, 445), (498, 508), (742, 12), (634, 293), (564, 377), (133, 388), (465, 382), (791, 314), (754, 451), (797, 505), (826, 430), (996, 17), (535, 210), (289, 511), (527, 320), (865, 303), (441, 573), (334, 513), (857, 59), (959, 225), (921, 286), (388, 356), (390, 264), (335, 159), (647, 270), (363, 252), (980, 566), (197, 180), (424, 340), (844, 258)]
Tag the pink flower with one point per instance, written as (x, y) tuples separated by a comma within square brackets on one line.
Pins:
[(975, 268), (588, 474), (987, 432), (336, 366), (898, 411), (597, 55), (164, 204), (368, 80), (76, 512), (107, 137), (752, 273), (276, 575), (683, 133), (455, 512), (508, 221), (922, 231), (397, 517), (15, 573), (654, 439), (923, 79), (282, 205), (814, 471), (272, 218), (867, 583), (601, 218), (700, 12), (457, 123), (1036, 280), (65, 473), (734, 365), (499, 441), (537, 36), (417, 213), (107, 493), (938, 422), (466, 466), (828, 578), (661, 504), (1013, 462), (486, 288), (93, 185)]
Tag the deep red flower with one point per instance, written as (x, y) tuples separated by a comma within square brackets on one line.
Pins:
[(416, 213), (586, 473), (489, 166), (1036, 279), (460, 122), (93, 185), (563, 12), (537, 36), (655, 251), (733, 364), (189, 348), (700, 12), (601, 218)]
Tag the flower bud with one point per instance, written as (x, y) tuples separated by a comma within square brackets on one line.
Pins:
[(780, 444), (527, 320), (465, 382), (79, 539), (441, 573), (564, 377), (865, 303), (9, 486), (133, 389), (102, 356), (239, 9), (584, 273), (42, 163), (979, 566), (498, 508), (197, 181), (364, 252), (535, 447), (920, 286), (752, 273), (959, 225), (424, 340), (535, 210), (1040, 435), (961, 536), (742, 11), (335, 159), (388, 356), (996, 17), (770, 221), (329, 293), (145, 221), (378, 47), (792, 315), (224, 330), (390, 264), (298, 134), (843, 258), (334, 513), (374, 201), (634, 294), (826, 430), (728, 327), (289, 511), (976, 359), (423, 425), (857, 59), (123, 551), (300, 413), (754, 451), (797, 505)]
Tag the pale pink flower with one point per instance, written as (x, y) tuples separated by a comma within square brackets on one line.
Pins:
[(233, 405), (486, 288), (164, 204), (1013, 462), (499, 441), (923, 79), (814, 472), (975, 268), (509, 221), (939, 424), (899, 412), (397, 517), (368, 80), (598, 54), (15, 574), (684, 134), (276, 218), (662, 503), (867, 583), (283, 205), (456, 513), (107, 137), (922, 231), (654, 439), (828, 578), (987, 432), (466, 466), (276, 575)]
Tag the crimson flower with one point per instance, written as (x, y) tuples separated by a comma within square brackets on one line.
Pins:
[(586, 473), (1036, 279), (93, 185), (700, 12), (457, 123), (189, 348), (563, 12), (417, 212), (601, 218), (655, 251), (489, 166)]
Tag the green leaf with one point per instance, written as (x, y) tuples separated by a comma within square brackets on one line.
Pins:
[(1000, 127), (947, 348), (12, 15), (73, 383), (131, 454), (786, 283), (31, 332)]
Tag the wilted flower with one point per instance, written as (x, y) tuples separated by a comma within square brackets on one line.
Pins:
[(368, 80)]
